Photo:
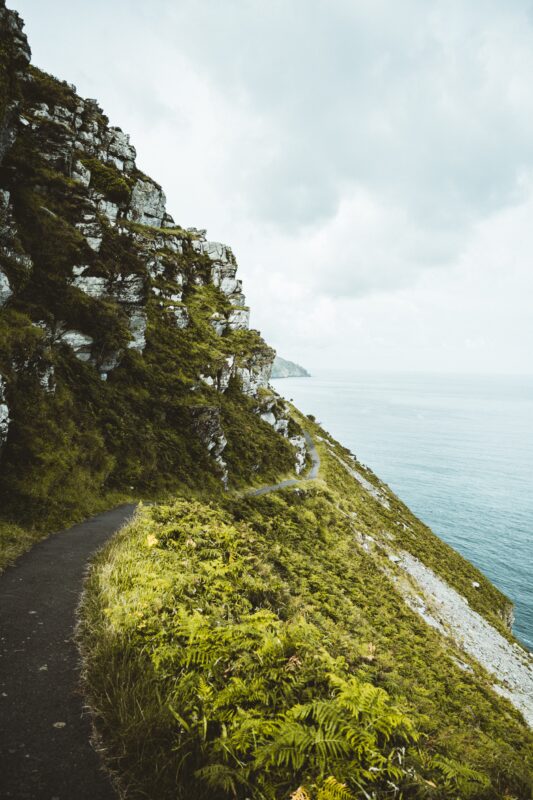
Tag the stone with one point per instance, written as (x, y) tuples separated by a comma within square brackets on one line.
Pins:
[(239, 319), (81, 174), (253, 378), (208, 428), (168, 221), (214, 250), (120, 151), (129, 289), (219, 323), (225, 373), (91, 229), (80, 342), (47, 379), (91, 285), (269, 418), (137, 326), (4, 413), (5, 289), (181, 315), (147, 204), (298, 442), (109, 210)]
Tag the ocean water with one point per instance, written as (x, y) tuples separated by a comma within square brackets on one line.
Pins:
[(457, 450)]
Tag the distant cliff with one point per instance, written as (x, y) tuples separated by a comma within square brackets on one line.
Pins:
[(281, 368)]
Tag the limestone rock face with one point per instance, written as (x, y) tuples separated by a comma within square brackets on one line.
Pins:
[(255, 373), (4, 413), (106, 266), (80, 343), (206, 421), (5, 289), (147, 205)]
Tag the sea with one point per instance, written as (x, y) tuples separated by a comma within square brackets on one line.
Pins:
[(458, 450)]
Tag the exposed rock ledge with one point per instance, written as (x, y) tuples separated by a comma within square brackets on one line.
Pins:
[(446, 610)]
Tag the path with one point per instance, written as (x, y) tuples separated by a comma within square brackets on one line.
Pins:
[(311, 475), (45, 749), (45, 752)]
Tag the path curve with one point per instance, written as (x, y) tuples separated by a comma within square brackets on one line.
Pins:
[(45, 749), (311, 475)]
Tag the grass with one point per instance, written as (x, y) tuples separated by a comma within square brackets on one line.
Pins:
[(223, 640), (15, 540)]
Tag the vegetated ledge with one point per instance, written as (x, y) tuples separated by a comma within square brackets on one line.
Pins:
[(301, 644)]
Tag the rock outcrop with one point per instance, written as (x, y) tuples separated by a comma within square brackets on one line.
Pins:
[(95, 272)]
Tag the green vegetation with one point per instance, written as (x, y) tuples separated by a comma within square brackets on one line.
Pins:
[(235, 646), (254, 649), (108, 180), (15, 540), (45, 88)]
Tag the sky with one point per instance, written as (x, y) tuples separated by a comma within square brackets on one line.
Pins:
[(370, 162)]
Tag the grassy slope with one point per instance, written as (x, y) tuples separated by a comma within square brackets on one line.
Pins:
[(206, 627)]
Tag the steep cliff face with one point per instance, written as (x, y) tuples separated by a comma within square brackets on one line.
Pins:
[(126, 358)]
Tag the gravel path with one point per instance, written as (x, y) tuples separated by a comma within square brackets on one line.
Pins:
[(311, 475), (45, 749)]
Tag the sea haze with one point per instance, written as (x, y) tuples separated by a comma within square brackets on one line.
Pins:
[(457, 450)]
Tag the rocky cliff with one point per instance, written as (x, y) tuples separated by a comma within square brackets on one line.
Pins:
[(308, 639), (281, 368), (126, 358)]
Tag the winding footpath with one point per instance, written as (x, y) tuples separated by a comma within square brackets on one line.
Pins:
[(45, 750), (311, 475), (45, 731)]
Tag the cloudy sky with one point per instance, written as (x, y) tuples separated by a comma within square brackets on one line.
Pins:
[(370, 162)]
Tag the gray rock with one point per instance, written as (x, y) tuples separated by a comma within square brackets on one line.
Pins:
[(298, 442), (5, 289), (81, 174), (138, 330), (91, 285), (47, 379), (108, 209), (120, 151), (253, 377), (147, 205), (225, 373), (239, 319), (91, 229), (80, 342), (129, 289), (208, 428), (219, 323), (181, 315), (4, 413)]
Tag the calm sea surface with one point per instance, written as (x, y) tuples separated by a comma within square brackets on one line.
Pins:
[(457, 450)]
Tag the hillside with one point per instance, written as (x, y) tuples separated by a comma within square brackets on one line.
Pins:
[(282, 368), (126, 360), (274, 623)]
